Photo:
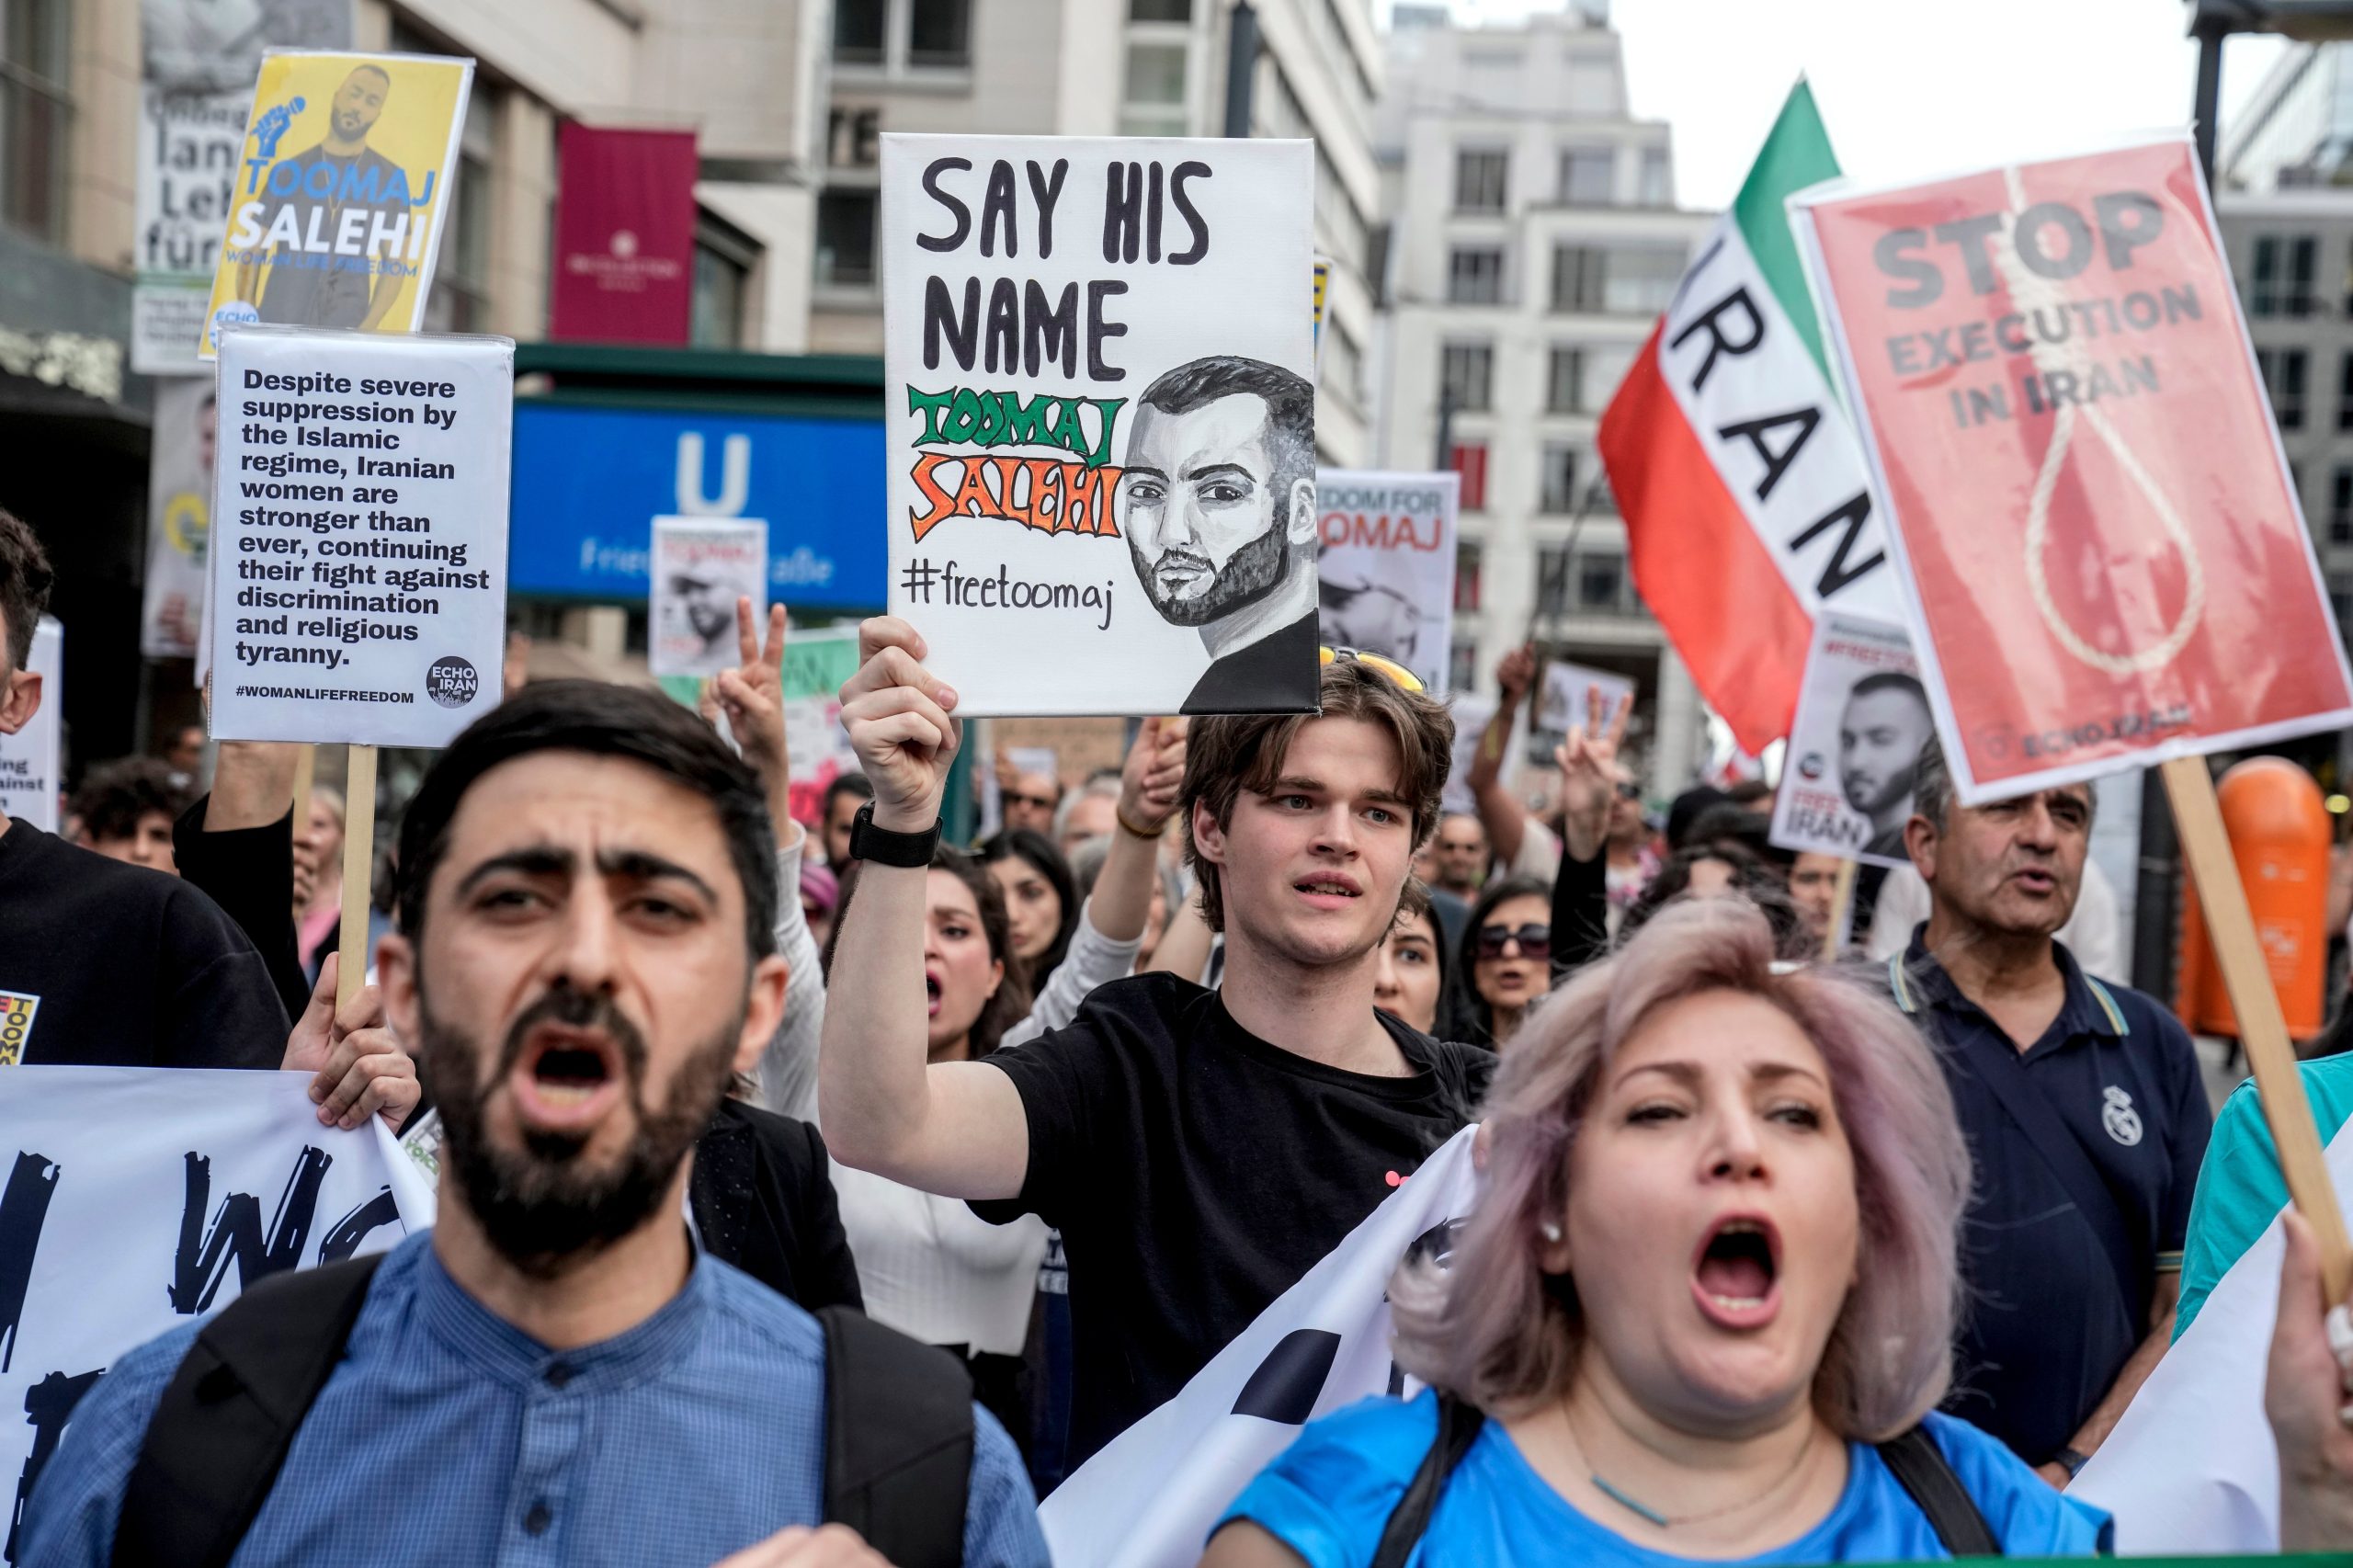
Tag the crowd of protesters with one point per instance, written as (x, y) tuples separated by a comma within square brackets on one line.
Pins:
[(1815, 1225)]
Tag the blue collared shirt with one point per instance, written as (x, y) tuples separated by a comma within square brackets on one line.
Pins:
[(449, 1435), (2050, 1324)]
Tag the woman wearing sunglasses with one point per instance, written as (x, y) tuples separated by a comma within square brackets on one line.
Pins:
[(1506, 958)]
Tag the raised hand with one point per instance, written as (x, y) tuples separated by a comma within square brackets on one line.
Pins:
[(2308, 1392), (1516, 672), (752, 696), (897, 715), (1153, 773), (1590, 774)]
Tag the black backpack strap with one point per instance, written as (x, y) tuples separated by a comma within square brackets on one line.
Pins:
[(215, 1443), (898, 1441), (1458, 1427), (1921, 1469)]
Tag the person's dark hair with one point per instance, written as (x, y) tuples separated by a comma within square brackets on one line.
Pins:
[(1754, 881), (1890, 680), (856, 784), (25, 581), (1685, 811), (1012, 1001), (1477, 1018), (371, 71), (1740, 827), (1290, 411), (117, 794), (1038, 852), (1226, 753), (599, 720), (1933, 796), (1417, 904), (1749, 793)]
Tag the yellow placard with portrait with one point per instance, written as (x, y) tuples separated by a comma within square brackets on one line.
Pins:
[(341, 192)]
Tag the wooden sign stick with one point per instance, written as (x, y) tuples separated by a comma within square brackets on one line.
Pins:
[(2263, 1030), (358, 868), (1842, 900)]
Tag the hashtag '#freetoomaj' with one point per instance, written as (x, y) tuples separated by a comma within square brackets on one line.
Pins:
[(921, 575)]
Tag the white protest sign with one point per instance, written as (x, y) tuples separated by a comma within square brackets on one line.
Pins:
[(1386, 567), (1471, 713), (359, 553), (700, 566), (1099, 368), (134, 1199), (1147, 1499), (815, 665), (1564, 701), (30, 785), (180, 512), (1862, 722)]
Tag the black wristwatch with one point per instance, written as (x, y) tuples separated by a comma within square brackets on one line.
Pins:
[(880, 844), (2071, 1461)]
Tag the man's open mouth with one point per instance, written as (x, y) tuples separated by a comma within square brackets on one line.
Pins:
[(1737, 1272), (1329, 890), (565, 1078)]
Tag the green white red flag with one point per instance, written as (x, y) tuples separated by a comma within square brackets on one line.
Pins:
[(1747, 504)]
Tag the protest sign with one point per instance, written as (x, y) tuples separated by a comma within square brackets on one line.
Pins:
[(1863, 723), (358, 556), (1471, 713), (1565, 700), (135, 1200), (1098, 360), (815, 665), (624, 235), (701, 565), (1385, 569), (341, 187), (179, 507), (31, 785), (2098, 543), (199, 62), (1748, 509), (1148, 1498)]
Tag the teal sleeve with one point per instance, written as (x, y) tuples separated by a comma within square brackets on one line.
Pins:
[(2239, 1190)]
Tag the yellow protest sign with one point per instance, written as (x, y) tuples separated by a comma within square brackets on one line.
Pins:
[(341, 191)]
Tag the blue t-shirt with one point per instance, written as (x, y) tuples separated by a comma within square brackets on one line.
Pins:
[(1329, 1494)]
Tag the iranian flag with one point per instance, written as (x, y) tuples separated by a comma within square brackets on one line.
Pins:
[(1747, 505)]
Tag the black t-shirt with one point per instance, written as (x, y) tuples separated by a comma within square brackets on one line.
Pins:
[(1278, 674), (1196, 1172), (763, 1200), (104, 964), (248, 873)]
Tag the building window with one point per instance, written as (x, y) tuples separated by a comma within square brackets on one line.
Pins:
[(2340, 600), (724, 257), (2283, 275), (1466, 576), (845, 238), (1591, 583), (1601, 582), (1463, 666), (939, 34), (1155, 101), (1565, 381), (1480, 178), (859, 27), (1559, 486), (1642, 283), (1468, 458), (1467, 373), (1577, 276), (2283, 376), (2340, 506), (1589, 176), (1582, 378), (2344, 392), (1553, 580), (35, 109), (1474, 276), (1160, 10), (914, 35), (460, 298), (1658, 178)]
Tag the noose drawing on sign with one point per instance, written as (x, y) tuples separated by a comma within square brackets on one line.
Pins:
[(2030, 293)]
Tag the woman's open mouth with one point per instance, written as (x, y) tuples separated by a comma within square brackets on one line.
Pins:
[(932, 991), (1735, 1277), (565, 1080)]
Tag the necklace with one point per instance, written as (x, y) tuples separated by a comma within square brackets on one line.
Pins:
[(1669, 1521)]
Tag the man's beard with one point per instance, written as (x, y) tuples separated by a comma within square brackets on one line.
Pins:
[(1250, 574), (541, 1207), (350, 127)]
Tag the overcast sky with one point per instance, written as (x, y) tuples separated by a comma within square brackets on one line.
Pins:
[(1906, 87)]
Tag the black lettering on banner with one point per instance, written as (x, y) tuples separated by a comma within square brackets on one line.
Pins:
[(1776, 463), (1098, 327), (49, 1403), (963, 214), (996, 207), (203, 1260), (1287, 1383), (940, 315), (1891, 253), (343, 1239), (1046, 192), (1837, 575), (1184, 204), (1717, 342), (24, 1205), (1051, 330), (1968, 235)]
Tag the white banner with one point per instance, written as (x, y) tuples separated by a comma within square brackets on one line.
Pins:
[(179, 513), (30, 762), (1862, 722), (358, 551), (1567, 699), (2192, 1467), (701, 565), (1148, 1499), (132, 1199), (1099, 368), (1385, 566)]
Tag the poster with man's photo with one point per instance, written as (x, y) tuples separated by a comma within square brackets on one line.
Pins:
[(180, 512), (1099, 370), (701, 565), (1385, 574), (1863, 723)]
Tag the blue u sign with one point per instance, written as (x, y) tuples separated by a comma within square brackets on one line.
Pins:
[(589, 481)]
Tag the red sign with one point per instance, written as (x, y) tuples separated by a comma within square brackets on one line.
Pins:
[(624, 235), (2100, 547)]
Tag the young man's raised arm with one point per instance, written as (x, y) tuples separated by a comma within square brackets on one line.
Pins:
[(958, 1128)]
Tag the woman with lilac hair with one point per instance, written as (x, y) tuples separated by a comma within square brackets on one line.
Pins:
[(1704, 1309)]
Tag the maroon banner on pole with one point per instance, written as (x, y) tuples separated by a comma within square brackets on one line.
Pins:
[(624, 235)]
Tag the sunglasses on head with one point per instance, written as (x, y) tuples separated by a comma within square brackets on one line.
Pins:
[(1396, 672), (1535, 941)]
